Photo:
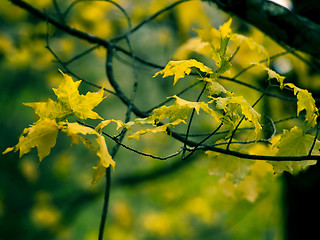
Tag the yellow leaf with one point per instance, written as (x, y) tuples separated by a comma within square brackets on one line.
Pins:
[(104, 162), (69, 102), (180, 68), (50, 109), (225, 29), (162, 128), (74, 129), (249, 113), (42, 134), (81, 105), (106, 123)]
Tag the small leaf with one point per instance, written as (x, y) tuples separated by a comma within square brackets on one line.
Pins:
[(106, 123), (274, 75), (180, 68)]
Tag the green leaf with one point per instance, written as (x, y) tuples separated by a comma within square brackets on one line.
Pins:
[(42, 135), (180, 68), (294, 143)]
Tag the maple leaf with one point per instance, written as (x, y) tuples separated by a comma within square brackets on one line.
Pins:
[(180, 68), (42, 135), (69, 102), (50, 109), (305, 102), (176, 113), (294, 143), (81, 105)]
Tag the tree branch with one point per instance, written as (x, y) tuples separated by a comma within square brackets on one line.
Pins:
[(282, 25)]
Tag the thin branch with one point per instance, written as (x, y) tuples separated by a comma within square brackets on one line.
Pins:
[(80, 55), (235, 129), (149, 19), (105, 203), (190, 121), (314, 141), (178, 94), (262, 61), (202, 141)]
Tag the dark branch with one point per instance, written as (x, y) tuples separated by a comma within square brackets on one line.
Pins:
[(279, 23)]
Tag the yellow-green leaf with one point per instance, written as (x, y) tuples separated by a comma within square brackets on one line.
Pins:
[(228, 167), (156, 129), (50, 109), (294, 143), (81, 105), (228, 105), (106, 123), (180, 68), (73, 130), (42, 135), (305, 102)]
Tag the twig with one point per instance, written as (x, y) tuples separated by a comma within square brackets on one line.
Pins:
[(149, 19)]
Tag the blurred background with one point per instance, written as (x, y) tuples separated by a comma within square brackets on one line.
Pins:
[(150, 199)]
